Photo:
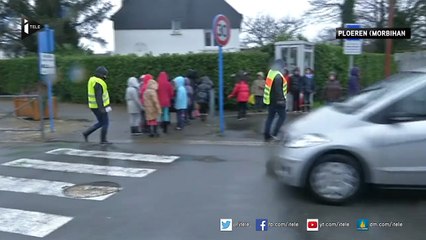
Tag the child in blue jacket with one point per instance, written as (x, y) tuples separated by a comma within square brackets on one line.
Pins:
[(181, 101)]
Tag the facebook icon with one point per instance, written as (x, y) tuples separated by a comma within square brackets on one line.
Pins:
[(262, 225)]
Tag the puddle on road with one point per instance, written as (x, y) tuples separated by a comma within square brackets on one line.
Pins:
[(208, 159)]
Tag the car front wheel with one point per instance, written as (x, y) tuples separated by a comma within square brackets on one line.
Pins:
[(335, 179)]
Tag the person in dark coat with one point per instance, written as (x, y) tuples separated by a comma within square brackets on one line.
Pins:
[(190, 93), (332, 89), (308, 88), (202, 96), (354, 82), (296, 82)]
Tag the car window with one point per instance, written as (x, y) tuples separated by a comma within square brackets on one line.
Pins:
[(359, 101), (371, 94), (413, 105)]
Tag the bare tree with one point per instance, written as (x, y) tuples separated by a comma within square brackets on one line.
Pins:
[(327, 35), (264, 29), (408, 13), (341, 11)]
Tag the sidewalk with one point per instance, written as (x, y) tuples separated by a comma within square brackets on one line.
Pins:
[(75, 118)]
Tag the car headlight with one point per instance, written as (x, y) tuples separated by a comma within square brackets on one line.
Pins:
[(308, 140)]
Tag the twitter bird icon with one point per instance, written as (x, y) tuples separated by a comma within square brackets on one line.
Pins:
[(225, 225)]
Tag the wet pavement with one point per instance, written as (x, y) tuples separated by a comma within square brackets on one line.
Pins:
[(185, 199), (214, 176)]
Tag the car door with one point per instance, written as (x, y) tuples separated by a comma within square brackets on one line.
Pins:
[(402, 150)]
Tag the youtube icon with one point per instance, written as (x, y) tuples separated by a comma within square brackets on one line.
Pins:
[(312, 225)]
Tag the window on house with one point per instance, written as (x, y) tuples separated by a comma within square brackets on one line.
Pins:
[(209, 40), (176, 25)]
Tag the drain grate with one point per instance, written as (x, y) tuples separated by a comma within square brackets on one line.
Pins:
[(91, 190), (210, 159)]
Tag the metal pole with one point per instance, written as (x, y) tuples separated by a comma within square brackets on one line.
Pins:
[(351, 63), (49, 96), (40, 100), (388, 61), (222, 118)]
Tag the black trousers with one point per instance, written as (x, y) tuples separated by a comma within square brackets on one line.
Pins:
[(258, 102), (242, 109), (296, 100), (272, 111), (103, 122), (204, 109)]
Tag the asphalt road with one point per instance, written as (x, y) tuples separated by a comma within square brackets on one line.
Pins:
[(187, 198)]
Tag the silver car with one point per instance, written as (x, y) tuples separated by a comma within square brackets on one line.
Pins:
[(376, 137)]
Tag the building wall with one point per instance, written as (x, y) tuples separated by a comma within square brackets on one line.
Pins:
[(2, 55), (157, 42)]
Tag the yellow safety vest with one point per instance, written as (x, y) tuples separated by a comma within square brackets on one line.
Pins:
[(91, 92), (268, 86)]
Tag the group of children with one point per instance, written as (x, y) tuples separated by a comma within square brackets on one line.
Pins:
[(150, 101)]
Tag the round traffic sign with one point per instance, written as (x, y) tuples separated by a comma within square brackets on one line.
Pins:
[(221, 29)]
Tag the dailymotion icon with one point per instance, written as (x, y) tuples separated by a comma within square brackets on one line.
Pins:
[(29, 27)]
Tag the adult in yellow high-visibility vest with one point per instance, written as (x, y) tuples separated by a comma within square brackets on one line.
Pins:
[(274, 96), (99, 103)]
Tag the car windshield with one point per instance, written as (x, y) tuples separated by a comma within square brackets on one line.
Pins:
[(369, 94)]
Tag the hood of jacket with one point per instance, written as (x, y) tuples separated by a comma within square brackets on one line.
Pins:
[(180, 82), (187, 82), (147, 78), (133, 82), (355, 71), (152, 85), (163, 78), (206, 80)]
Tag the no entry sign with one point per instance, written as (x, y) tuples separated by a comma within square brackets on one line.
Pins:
[(221, 29)]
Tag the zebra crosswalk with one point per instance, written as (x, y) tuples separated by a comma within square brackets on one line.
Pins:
[(38, 224)]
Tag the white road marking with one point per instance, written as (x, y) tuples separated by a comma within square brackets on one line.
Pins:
[(41, 187), (35, 224), (114, 155), (80, 168)]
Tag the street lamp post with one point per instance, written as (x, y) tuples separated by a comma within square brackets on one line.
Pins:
[(388, 61)]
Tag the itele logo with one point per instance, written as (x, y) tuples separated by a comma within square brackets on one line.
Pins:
[(29, 27)]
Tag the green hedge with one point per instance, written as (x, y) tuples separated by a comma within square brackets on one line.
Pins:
[(20, 75), (331, 58)]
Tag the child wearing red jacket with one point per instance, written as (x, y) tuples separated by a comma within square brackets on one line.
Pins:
[(242, 93)]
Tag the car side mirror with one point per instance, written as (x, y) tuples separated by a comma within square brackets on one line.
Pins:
[(398, 117)]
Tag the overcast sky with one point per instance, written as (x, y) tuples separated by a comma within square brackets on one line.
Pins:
[(249, 8)]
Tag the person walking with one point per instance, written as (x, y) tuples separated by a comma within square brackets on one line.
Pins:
[(354, 82), (274, 98), (152, 107), (308, 87), (257, 90), (202, 96), (165, 95), (181, 102), (296, 81), (134, 105), (332, 89), (99, 103), (242, 93)]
